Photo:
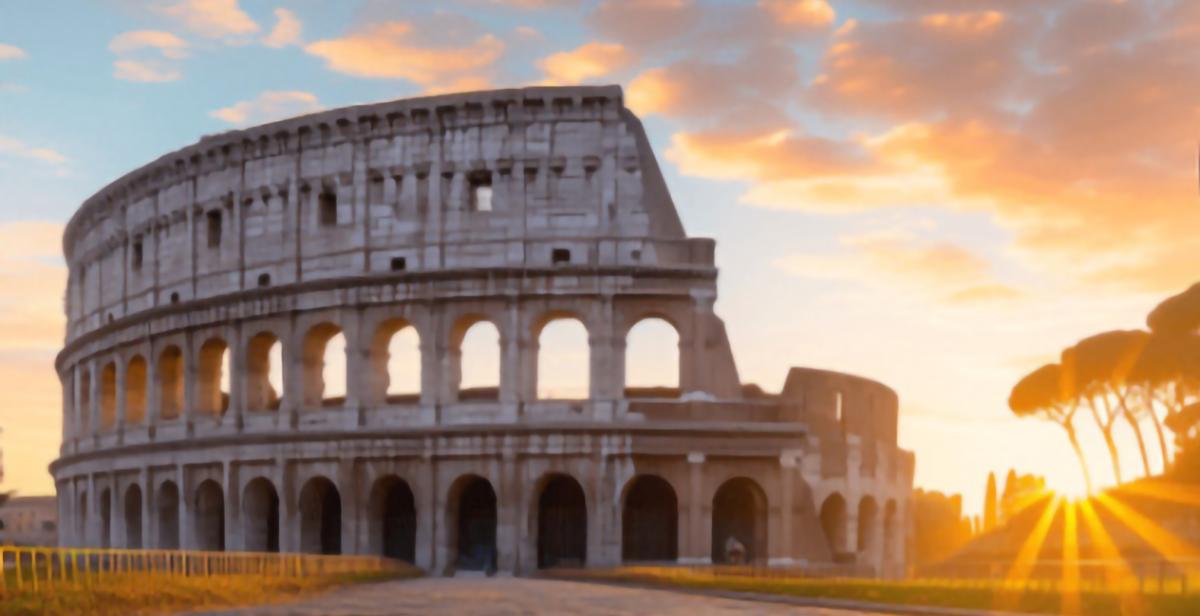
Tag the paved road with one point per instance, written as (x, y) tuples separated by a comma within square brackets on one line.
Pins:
[(519, 596)]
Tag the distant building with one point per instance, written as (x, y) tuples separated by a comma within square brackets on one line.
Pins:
[(29, 520)]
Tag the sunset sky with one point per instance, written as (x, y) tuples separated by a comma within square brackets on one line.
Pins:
[(938, 194)]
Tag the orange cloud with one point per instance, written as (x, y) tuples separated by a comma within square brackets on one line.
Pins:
[(391, 50), (286, 31), (588, 61), (148, 55), (211, 18), (16, 147), (11, 52), (267, 107), (645, 24), (805, 13)]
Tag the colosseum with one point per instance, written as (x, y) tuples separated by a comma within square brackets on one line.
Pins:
[(205, 286)]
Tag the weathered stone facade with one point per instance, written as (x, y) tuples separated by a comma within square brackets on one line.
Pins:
[(510, 207)]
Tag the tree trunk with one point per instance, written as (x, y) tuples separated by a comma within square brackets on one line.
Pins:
[(1106, 429), (1137, 430), (1087, 476), (1158, 429)]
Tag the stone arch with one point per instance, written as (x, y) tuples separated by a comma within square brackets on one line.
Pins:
[(649, 520), (133, 517), (652, 358), (108, 396), (396, 362), (561, 522), (867, 512), (319, 365), (106, 506), (260, 516), (320, 517), (471, 507), (477, 338), (170, 382), (393, 518), (264, 358), (211, 377), (563, 357), (739, 512), (135, 390), (833, 524), (209, 524), (168, 515)]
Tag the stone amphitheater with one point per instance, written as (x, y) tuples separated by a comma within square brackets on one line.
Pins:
[(196, 279)]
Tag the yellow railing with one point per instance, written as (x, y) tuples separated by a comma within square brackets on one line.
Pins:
[(39, 569)]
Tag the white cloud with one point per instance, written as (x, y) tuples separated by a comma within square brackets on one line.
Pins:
[(17, 148), (267, 107), (11, 52), (286, 31), (150, 56), (222, 19)]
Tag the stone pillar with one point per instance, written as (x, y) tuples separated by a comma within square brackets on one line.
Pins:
[(783, 551), (153, 391), (348, 487), (149, 523), (431, 366), (233, 506), (512, 368), (358, 363), (190, 375), (237, 376), (121, 399), (695, 537), (187, 538), (605, 385), (92, 522), (510, 500), (429, 515), (528, 366), (293, 373), (77, 410), (116, 532), (93, 401)]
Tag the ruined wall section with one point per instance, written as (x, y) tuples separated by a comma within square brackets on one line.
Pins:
[(378, 189)]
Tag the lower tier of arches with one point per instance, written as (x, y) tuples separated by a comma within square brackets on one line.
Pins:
[(507, 513)]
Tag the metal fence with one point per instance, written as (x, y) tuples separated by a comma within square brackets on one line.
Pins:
[(39, 569)]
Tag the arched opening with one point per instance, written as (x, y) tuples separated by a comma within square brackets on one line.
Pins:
[(106, 518), (133, 517), (739, 522), (324, 360), (260, 516), (168, 516), (264, 372), (649, 521), (476, 358), (213, 378), (562, 524), (210, 517), (833, 523), (396, 362), (652, 360), (564, 356), (135, 390), (320, 517), (394, 519), (889, 534), (473, 503), (866, 530), (108, 396), (170, 383)]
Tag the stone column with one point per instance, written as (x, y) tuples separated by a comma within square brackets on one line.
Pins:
[(605, 384), (187, 539), (237, 376), (93, 401), (510, 500), (153, 391), (348, 487), (695, 543), (233, 506), (358, 362), (190, 375), (512, 339), (121, 398), (92, 522), (149, 524), (429, 515), (783, 551)]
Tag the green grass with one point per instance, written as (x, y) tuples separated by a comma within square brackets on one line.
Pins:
[(118, 595), (922, 593)]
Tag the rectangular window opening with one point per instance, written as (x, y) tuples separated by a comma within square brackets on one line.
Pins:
[(137, 254), (559, 256), (214, 228), (327, 209), (481, 192), (399, 264)]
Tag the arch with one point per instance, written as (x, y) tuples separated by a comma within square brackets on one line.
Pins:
[(739, 512), (472, 505), (649, 521), (260, 516), (561, 523), (563, 358), (475, 356), (106, 518), (108, 396), (264, 372), (170, 383), (135, 390), (890, 545), (133, 517), (652, 359), (393, 518), (324, 365), (213, 377), (833, 523), (209, 507), (396, 362), (168, 516), (320, 517), (867, 512)]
